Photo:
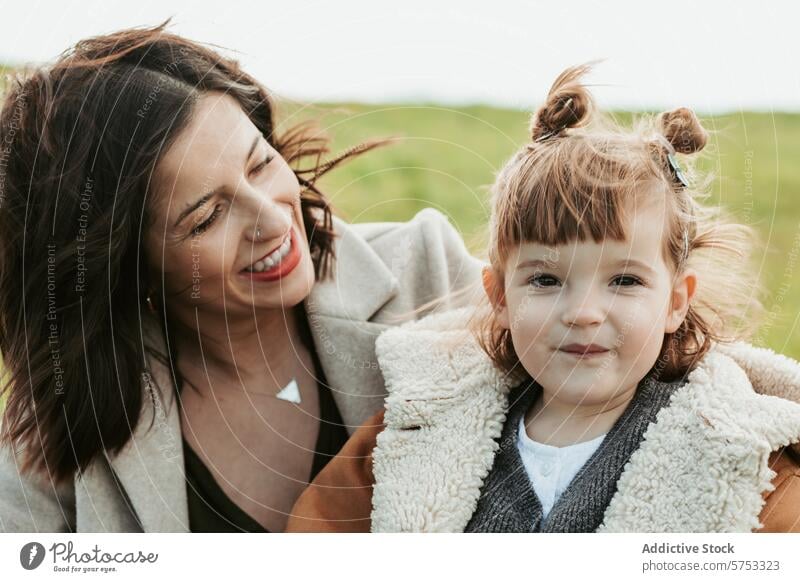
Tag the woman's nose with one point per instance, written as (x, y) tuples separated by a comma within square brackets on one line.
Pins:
[(269, 226), (269, 219), (268, 215)]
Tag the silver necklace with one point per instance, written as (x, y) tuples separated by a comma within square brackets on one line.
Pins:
[(290, 393)]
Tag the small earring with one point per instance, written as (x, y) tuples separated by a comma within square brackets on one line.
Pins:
[(150, 305)]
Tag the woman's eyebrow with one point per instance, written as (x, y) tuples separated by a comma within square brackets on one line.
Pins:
[(253, 147), (206, 197)]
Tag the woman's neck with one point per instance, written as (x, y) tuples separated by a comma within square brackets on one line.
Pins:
[(557, 423), (243, 347)]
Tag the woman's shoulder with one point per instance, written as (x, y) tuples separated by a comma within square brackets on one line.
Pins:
[(428, 242), (425, 222), (420, 261)]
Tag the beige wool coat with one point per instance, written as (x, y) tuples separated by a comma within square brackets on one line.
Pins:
[(383, 271)]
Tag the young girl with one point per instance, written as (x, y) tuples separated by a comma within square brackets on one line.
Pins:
[(605, 387)]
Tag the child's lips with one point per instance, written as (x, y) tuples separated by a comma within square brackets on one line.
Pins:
[(584, 352), (584, 349)]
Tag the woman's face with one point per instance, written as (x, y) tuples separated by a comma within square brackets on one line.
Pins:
[(228, 233)]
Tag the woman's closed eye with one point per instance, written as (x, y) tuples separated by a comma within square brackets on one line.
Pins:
[(263, 164), (203, 226)]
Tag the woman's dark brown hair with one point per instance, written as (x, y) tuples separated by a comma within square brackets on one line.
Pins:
[(79, 142)]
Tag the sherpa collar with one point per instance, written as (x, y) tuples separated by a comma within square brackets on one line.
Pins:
[(703, 465)]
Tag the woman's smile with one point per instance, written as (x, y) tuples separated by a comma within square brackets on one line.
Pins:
[(277, 263)]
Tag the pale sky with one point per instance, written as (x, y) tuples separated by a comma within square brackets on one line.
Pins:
[(711, 56)]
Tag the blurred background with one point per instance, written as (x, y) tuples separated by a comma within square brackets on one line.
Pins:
[(454, 83)]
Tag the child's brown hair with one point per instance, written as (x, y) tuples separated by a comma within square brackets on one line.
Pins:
[(578, 177)]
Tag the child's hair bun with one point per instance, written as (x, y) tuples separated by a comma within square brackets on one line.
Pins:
[(568, 105), (683, 130)]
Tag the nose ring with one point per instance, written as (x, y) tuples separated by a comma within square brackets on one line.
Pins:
[(258, 232)]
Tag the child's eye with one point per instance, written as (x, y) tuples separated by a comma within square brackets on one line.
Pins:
[(628, 280), (542, 281), (203, 226), (263, 164)]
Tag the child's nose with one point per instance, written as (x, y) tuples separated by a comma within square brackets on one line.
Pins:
[(582, 311)]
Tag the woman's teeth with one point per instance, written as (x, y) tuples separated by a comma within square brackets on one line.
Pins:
[(273, 259)]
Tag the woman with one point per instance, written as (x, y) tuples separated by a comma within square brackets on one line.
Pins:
[(187, 331)]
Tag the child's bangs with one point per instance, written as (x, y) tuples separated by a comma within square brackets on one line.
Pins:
[(582, 190)]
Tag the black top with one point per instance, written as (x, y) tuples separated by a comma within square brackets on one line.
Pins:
[(211, 510)]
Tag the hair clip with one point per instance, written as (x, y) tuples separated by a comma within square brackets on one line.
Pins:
[(685, 244), (674, 166), (676, 170)]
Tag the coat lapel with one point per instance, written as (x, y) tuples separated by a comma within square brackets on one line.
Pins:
[(770, 374), (150, 468), (444, 414), (339, 309)]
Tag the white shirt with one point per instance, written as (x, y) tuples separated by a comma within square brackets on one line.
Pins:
[(552, 469)]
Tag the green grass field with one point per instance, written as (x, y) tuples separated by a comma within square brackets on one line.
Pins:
[(447, 157)]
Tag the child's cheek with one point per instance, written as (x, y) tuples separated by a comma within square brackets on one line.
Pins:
[(524, 309), (528, 321), (641, 337), (636, 322)]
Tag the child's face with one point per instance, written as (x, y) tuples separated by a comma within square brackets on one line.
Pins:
[(619, 297)]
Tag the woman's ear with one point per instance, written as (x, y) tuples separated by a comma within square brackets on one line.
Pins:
[(682, 293), (495, 293)]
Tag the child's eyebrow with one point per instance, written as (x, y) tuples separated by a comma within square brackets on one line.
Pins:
[(634, 263), (552, 264), (536, 263)]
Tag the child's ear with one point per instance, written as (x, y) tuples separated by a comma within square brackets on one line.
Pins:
[(682, 294), (496, 295)]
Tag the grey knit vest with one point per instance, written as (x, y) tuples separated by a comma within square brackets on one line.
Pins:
[(508, 502)]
